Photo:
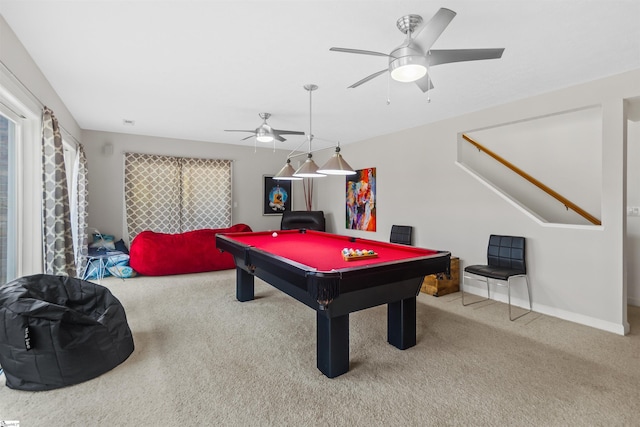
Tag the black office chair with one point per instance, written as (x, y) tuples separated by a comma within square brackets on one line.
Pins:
[(505, 261), (310, 220), (401, 234)]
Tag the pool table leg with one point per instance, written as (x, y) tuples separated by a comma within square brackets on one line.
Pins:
[(332, 344), (244, 285), (401, 323)]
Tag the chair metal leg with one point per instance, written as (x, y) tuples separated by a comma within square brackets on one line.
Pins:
[(101, 270), (99, 265), (113, 273), (84, 272), (486, 280), (526, 278)]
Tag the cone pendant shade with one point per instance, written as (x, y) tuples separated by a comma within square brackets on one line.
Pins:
[(309, 169), (337, 165), (286, 173)]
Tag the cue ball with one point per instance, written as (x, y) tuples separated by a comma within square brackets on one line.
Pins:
[(275, 234)]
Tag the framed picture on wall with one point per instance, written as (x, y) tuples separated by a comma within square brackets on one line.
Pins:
[(361, 200), (276, 196)]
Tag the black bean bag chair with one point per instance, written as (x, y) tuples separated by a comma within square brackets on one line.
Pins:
[(57, 331)]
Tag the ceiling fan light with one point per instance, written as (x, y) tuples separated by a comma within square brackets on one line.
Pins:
[(263, 135), (264, 138), (408, 69), (336, 165), (309, 169), (409, 73), (286, 173)]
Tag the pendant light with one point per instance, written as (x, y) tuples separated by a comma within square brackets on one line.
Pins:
[(286, 173), (337, 165)]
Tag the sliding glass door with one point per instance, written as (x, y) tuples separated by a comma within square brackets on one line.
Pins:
[(8, 203)]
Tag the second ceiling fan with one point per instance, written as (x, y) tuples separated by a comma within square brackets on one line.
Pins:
[(409, 61), (265, 133)]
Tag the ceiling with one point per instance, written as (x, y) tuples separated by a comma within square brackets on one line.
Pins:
[(191, 69)]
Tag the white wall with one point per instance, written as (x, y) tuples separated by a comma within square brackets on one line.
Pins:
[(106, 176), (562, 151), (577, 273), (15, 57)]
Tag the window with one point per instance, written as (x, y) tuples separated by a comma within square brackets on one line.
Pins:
[(176, 194), (8, 240), (69, 164), (20, 179)]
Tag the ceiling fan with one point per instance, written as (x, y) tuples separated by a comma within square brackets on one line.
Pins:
[(409, 61), (265, 133)]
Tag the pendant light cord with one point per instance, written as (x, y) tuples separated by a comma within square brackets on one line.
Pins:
[(310, 116)]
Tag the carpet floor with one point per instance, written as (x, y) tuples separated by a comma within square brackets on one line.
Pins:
[(204, 359)]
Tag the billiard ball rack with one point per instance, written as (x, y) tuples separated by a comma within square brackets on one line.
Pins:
[(357, 257)]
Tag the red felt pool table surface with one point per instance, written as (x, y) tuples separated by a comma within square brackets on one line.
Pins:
[(323, 251)]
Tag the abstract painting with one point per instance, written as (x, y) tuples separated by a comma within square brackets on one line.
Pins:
[(361, 200)]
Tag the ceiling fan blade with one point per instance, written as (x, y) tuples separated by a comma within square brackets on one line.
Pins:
[(250, 136), (429, 33), (278, 137), (424, 83), (362, 52), (447, 56), (366, 79), (237, 130), (288, 132)]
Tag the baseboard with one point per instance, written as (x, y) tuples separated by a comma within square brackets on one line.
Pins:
[(633, 301), (620, 329)]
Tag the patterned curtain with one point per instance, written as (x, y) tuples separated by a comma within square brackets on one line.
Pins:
[(206, 193), (152, 193), (58, 256), (80, 201), (175, 194)]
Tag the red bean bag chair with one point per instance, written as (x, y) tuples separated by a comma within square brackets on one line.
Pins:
[(161, 254)]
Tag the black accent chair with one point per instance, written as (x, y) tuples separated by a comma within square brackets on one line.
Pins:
[(401, 234), (309, 220), (505, 261)]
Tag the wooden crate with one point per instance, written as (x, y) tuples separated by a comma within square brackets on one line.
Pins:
[(440, 284)]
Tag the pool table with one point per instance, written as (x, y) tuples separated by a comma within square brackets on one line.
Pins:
[(309, 266)]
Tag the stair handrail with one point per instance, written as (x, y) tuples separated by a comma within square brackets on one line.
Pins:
[(566, 202)]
